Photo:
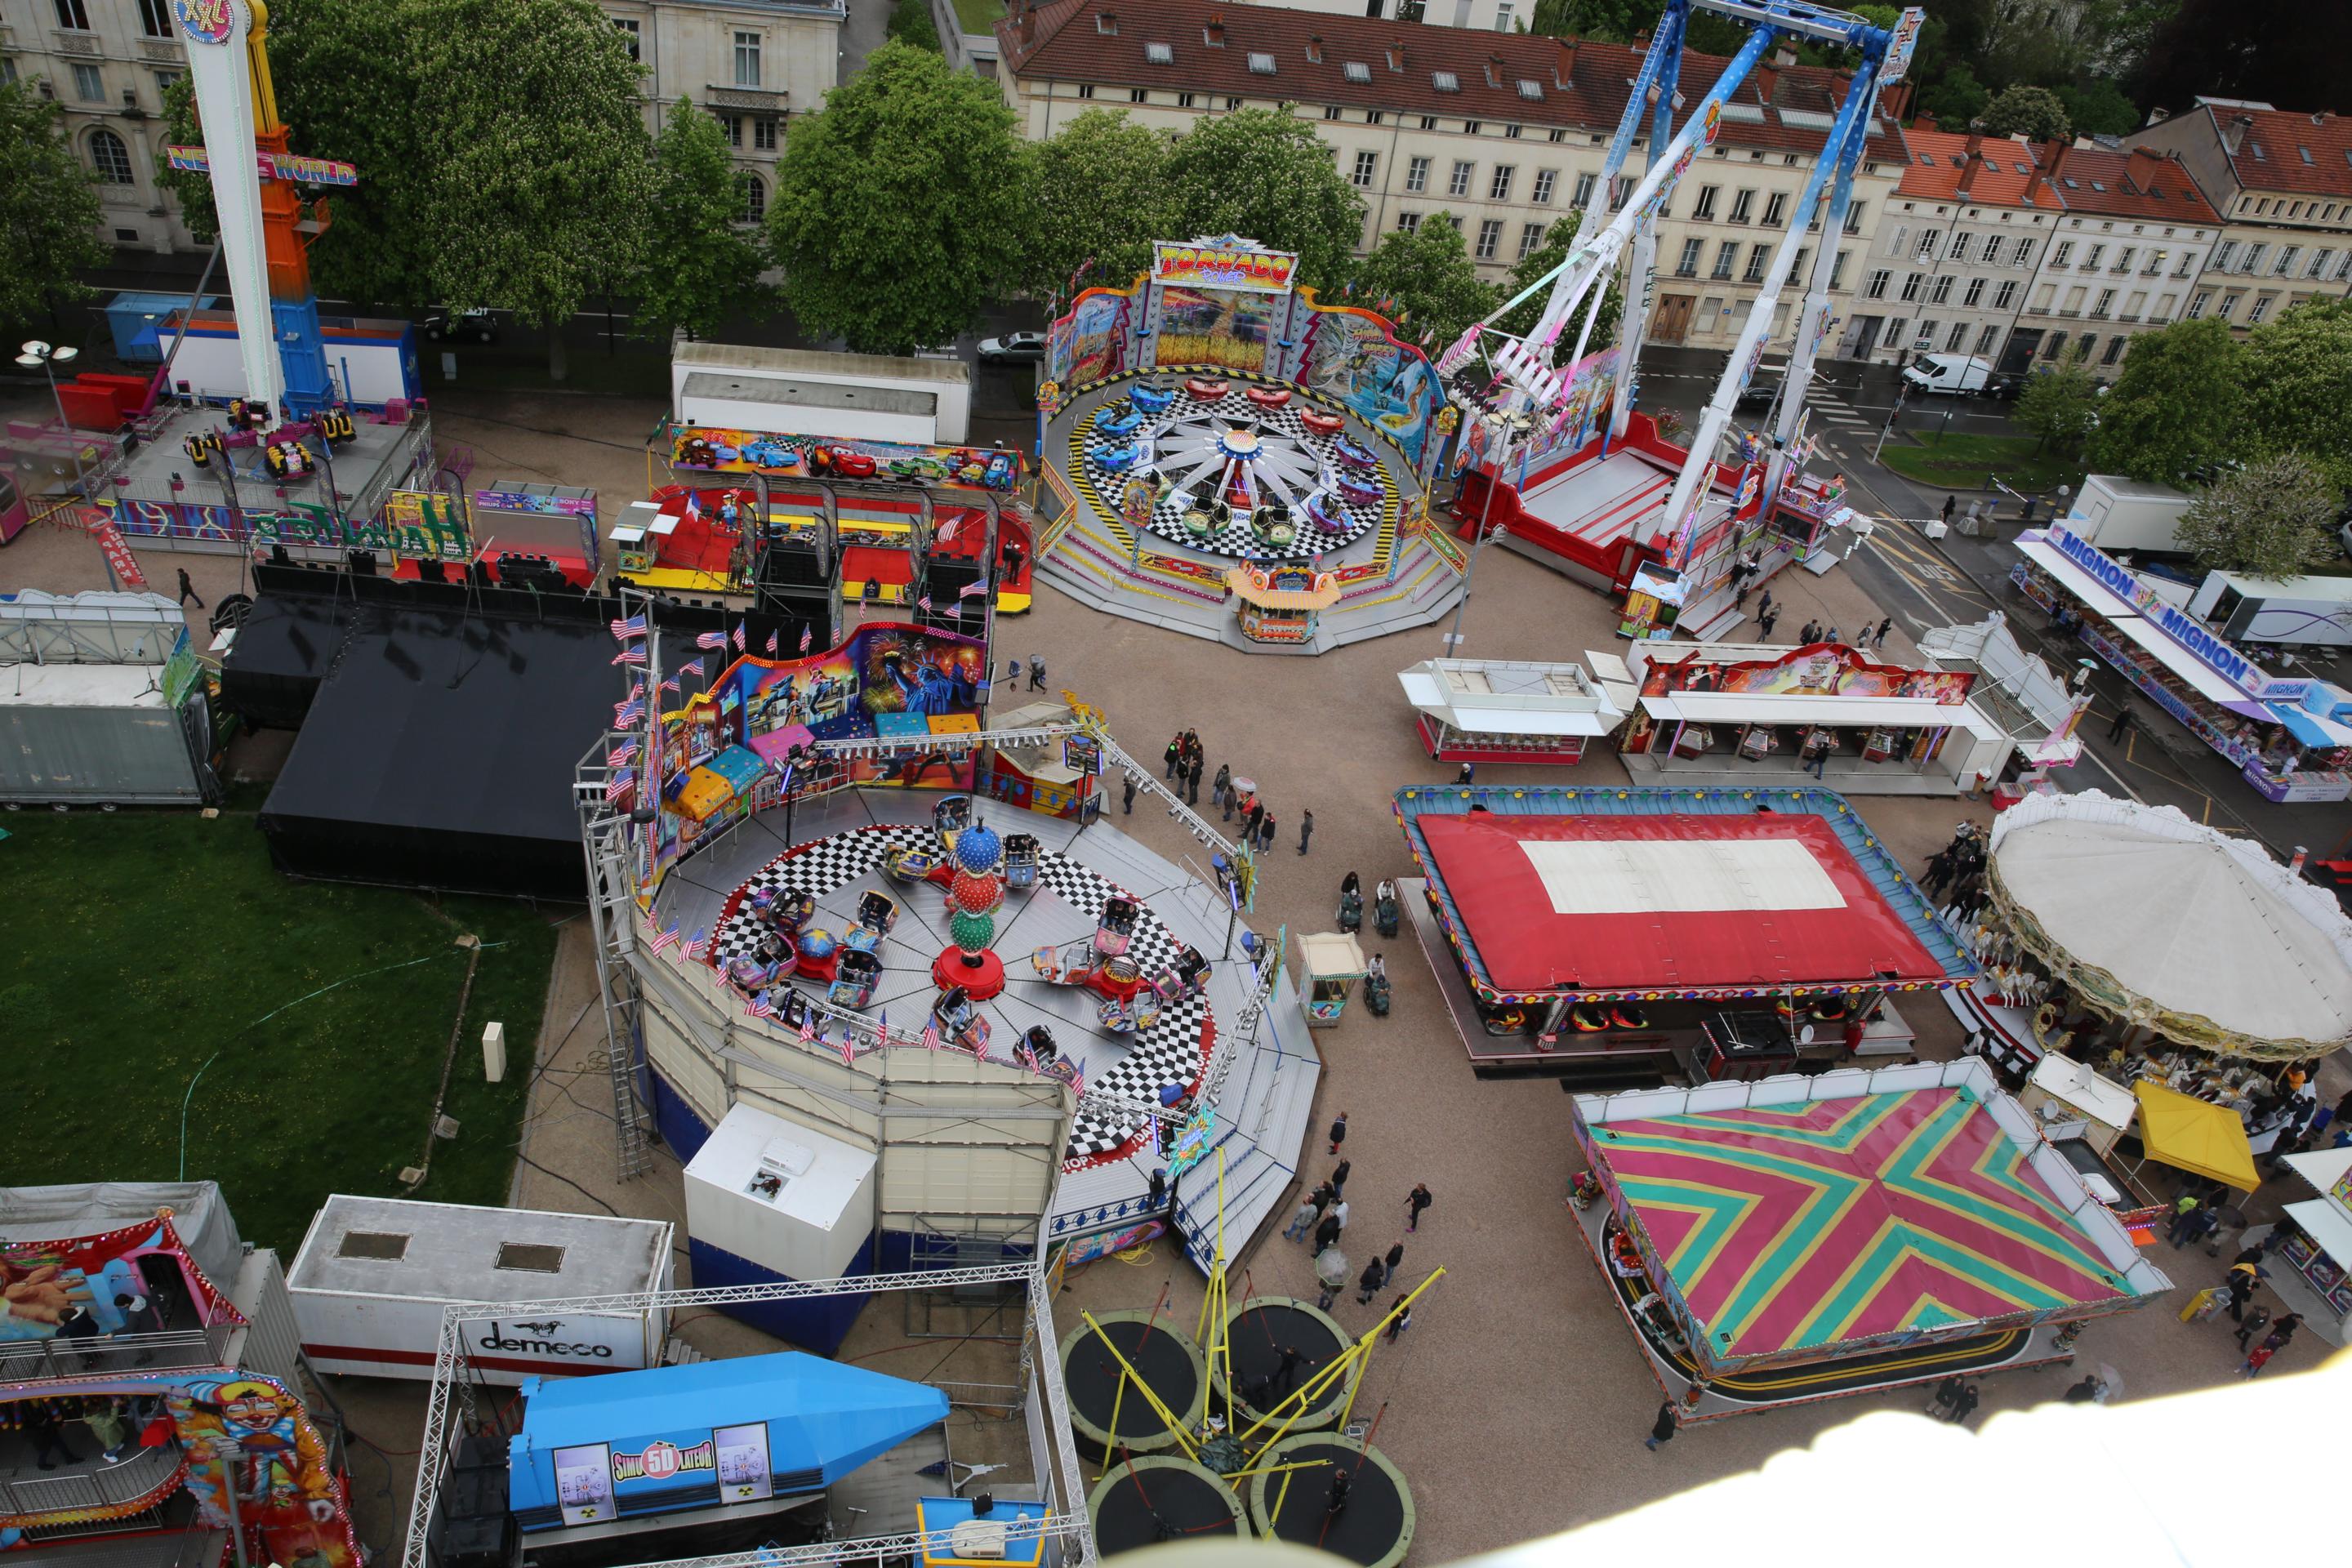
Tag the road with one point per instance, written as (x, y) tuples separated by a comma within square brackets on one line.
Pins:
[(1926, 582)]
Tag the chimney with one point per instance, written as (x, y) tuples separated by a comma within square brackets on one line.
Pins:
[(1213, 34), (2056, 160), (1315, 47), (1025, 22), (1971, 160), (1494, 71), (1396, 55), (2144, 164), (1767, 81), (1563, 65)]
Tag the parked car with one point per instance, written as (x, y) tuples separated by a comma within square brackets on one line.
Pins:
[(1952, 373), (1758, 394), (1013, 348), (476, 326)]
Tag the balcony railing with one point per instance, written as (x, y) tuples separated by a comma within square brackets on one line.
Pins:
[(111, 1355), (144, 1476)]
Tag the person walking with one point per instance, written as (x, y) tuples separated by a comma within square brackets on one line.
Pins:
[(2282, 1332), (2124, 718), (2253, 1323), (2182, 1207), (2256, 1359), (1416, 1203), (1662, 1430), (1302, 1221), (1339, 1130), (1817, 753), (1878, 638), (108, 1428), (1468, 774), (1192, 782), (1948, 1394), (1340, 1175), (1037, 673), (188, 589), (1339, 1213), (1398, 1322), (41, 1426), (1831, 636), (1764, 620), (2086, 1391), (1126, 804), (1250, 820), (1369, 1282), (1764, 605), (2242, 1290), (1222, 787), (1305, 829), (1395, 1257), (1174, 755), (1266, 836), (1810, 632), (1951, 504)]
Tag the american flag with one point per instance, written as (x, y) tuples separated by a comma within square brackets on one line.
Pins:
[(671, 685), (931, 1036), (805, 634), (739, 636), (761, 1008), (968, 589), (808, 1026), (618, 784), (711, 639), (632, 711), (666, 940), (772, 645), (926, 602), (630, 656), (625, 757), (635, 626), (948, 530), (700, 948), (692, 666), (1025, 1056), (1078, 1084), (848, 1049)]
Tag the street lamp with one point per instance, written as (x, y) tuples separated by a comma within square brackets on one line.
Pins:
[(38, 355)]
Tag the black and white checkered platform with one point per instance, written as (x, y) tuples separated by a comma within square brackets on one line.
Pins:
[(1279, 427), (835, 869)]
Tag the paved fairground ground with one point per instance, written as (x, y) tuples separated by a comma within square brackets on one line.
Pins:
[(1517, 1402)]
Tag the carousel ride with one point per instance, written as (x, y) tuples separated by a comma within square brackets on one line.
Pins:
[(1253, 473)]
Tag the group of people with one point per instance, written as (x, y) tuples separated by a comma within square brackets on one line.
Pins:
[(115, 1424), (1959, 865), (1321, 1218), (2259, 1335)]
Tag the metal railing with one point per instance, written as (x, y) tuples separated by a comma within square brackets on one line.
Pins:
[(111, 1355), (142, 1476)]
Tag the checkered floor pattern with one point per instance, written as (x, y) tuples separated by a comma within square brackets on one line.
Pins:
[(1281, 426), (1169, 1053)]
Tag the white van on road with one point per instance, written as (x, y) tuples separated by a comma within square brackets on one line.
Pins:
[(1951, 374)]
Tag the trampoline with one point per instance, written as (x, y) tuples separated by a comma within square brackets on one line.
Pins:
[(1256, 1332), (1148, 1500), (1374, 1529), (1168, 1361)]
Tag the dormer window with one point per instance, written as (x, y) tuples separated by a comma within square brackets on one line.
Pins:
[(1160, 54), (1357, 71), (1446, 82), (1531, 90), (1106, 23), (1261, 65)]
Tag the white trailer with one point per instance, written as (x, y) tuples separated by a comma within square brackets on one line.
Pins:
[(2299, 610), (2119, 513), (923, 402), (374, 1274), (371, 362)]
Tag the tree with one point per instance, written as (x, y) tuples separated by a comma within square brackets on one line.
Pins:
[(1954, 99), (1540, 263), (1265, 176), (911, 23), (2034, 112), (2174, 409), (2098, 109), (1099, 192), (2270, 518), (2060, 404), (900, 205), (2297, 378), (536, 185), (48, 209), (699, 265), (2288, 54), (1427, 272), (195, 190)]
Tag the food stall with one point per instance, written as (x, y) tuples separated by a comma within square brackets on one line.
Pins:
[(1280, 603), (2258, 720), (1508, 710), (1334, 962), (2319, 1252)]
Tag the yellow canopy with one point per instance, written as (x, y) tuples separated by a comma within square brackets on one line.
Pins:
[(2203, 1139)]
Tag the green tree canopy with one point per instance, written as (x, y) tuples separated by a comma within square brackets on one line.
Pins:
[(911, 23), (1428, 275), (2297, 383), (1099, 192), (195, 190), (48, 209), (699, 266), (899, 209), (2098, 108), (1265, 176), (2175, 408), (2029, 111), (2270, 518), (2061, 405), (1954, 99)]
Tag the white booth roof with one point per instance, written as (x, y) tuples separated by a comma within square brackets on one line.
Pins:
[(401, 1248), (2209, 683), (1782, 708), (1510, 697), (2101, 1100)]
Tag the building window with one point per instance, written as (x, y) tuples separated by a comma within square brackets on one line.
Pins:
[(1585, 185), (1416, 175), (1374, 117), (2156, 260), (1472, 127), (1961, 246), (1742, 206), (1854, 217), (1928, 239), (8, 70), (2188, 264), (1185, 99), (1837, 272), (2055, 346), (1688, 266), (2261, 308), (1530, 236), (1975, 293), (1702, 213), (1942, 293), (1959, 340), (1776, 209), (1560, 133), (2024, 257), (2253, 262), (1330, 110), (764, 135), (1875, 288), (1756, 255), (2229, 306), (110, 158), (2107, 300), (2124, 257), (1926, 338), (1086, 89), (1490, 239), (1409, 222), (73, 15), (1503, 18), (165, 80), (1912, 283), (746, 60), (2064, 254), (2004, 296), (1428, 123), (2284, 267), (630, 37), (2115, 350), (1992, 250), (1234, 101), (1619, 189), (1894, 338), (1459, 183), (755, 195), (2224, 254), (155, 18), (1368, 167), (2319, 261), (1727, 257), (1986, 339), (1545, 180), (734, 124), (2091, 258), (89, 84), (1498, 189)]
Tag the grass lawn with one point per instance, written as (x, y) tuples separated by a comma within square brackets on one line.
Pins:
[(1957, 462), (146, 942), (979, 15)]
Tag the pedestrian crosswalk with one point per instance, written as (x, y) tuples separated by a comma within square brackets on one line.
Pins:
[(1835, 412)]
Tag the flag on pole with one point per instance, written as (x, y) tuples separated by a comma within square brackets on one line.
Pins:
[(948, 530), (700, 948), (968, 589), (693, 507), (848, 1048), (618, 784), (711, 639), (761, 1008), (1025, 1056), (665, 940), (671, 685), (805, 635), (739, 636), (808, 1026), (626, 754), (635, 626), (630, 656), (1078, 1084), (926, 603), (931, 1036), (772, 645), (692, 666), (630, 711)]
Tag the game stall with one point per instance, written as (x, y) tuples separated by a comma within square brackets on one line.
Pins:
[(2319, 1252), (1279, 604), (2265, 725), (1505, 711)]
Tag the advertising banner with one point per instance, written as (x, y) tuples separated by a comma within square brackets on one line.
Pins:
[(1230, 262), (718, 450), (1818, 670)]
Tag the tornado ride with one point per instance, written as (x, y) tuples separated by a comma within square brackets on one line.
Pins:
[(1554, 458)]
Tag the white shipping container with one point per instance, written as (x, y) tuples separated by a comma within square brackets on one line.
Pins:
[(2119, 513), (783, 1197), (374, 1274)]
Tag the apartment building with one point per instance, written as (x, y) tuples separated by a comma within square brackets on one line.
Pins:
[(753, 64), (1965, 229), (2280, 181), (1477, 15), (1505, 132), (2123, 259)]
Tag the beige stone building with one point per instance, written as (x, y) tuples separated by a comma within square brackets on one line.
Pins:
[(1955, 251), (2123, 259), (1506, 132), (2282, 180)]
